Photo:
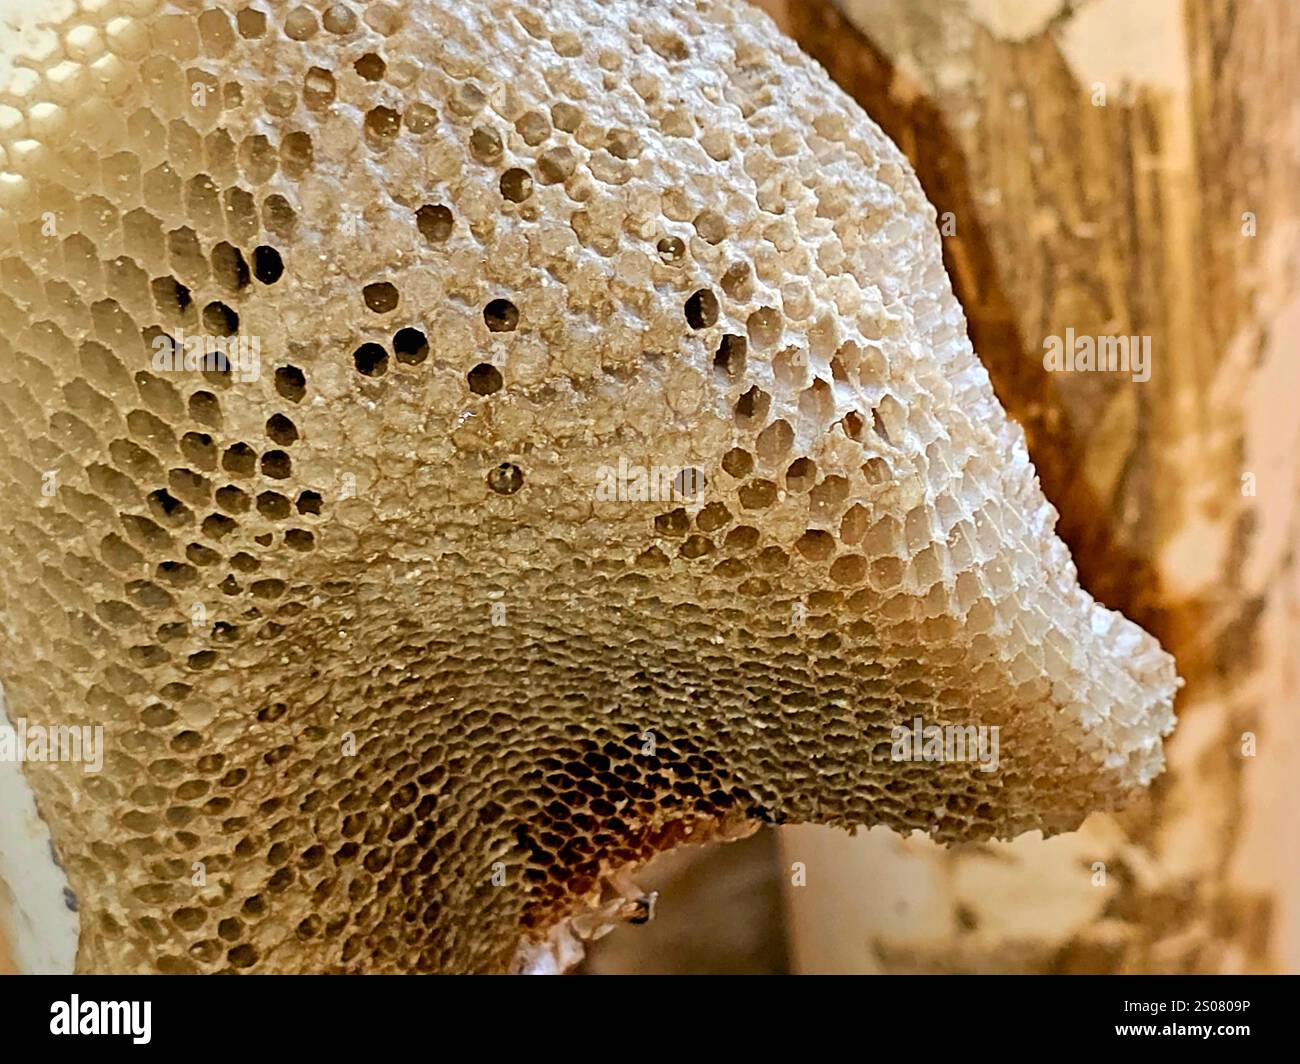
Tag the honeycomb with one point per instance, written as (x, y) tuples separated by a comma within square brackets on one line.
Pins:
[(597, 461)]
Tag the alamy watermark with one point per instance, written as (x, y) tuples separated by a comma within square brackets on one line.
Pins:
[(944, 743), (1098, 354), (240, 355), (77, 1017), (75, 743), (627, 482)]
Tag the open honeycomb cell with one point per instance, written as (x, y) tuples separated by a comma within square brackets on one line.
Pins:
[(389, 682)]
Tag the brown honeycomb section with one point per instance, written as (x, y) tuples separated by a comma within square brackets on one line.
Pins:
[(387, 684)]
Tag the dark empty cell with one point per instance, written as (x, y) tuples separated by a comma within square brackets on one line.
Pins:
[(878, 423), (382, 126), (216, 525), (239, 459), (273, 505), (233, 500), (267, 264), (318, 89), (187, 482), (702, 309), (434, 222), (801, 475), (752, 405), (371, 360), (183, 242), (410, 346), (485, 145), (169, 295), (218, 374), (484, 379), (299, 539), (201, 555), (674, 523), (556, 165), (228, 267), (370, 66), (501, 316), (199, 449), (245, 562), (278, 215), (251, 23), (516, 185), (276, 465), (203, 659), (730, 358), (757, 494), (505, 479), (671, 250), (220, 320), (281, 429), (689, 483), (167, 507), (420, 118), (231, 929), (816, 544), (735, 282), (309, 502), (381, 297), (290, 383), (296, 153)]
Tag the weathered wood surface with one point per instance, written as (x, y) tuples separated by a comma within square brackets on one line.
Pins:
[(1172, 212)]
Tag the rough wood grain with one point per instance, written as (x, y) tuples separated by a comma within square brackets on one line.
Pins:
[(1124, 219)]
